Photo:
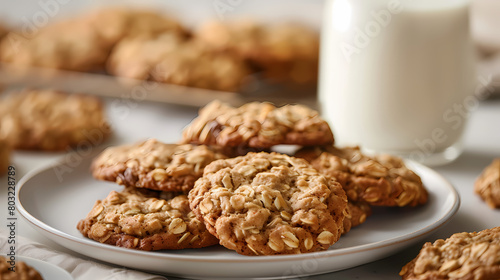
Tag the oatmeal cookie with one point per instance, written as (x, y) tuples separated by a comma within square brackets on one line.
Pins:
[(463, 256), (357, 212), (69, 45), (154, 165), (269, 204), (51, 120), (487, 185), (289, 52), (116, 23), (3, 30), (23, 271), (380, 181), (194, 65), (257, 125), (145, 220), (240, 37), (4, 157), (137, 57)]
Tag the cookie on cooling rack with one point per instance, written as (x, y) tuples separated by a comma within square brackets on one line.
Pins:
[(51, 120)]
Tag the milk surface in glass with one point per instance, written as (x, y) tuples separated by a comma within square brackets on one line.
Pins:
[(398, 76)]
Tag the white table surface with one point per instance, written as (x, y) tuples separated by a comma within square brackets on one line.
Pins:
[(137, 120)]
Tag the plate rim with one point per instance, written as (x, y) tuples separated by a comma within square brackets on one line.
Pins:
[(443, 220)]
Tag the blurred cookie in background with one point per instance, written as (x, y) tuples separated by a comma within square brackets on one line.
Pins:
[(4, 157), (116, 23), (52, 120), (69, 45), (487, 185), (282, 52)]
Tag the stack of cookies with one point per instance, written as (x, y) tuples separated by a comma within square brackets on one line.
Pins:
[(224, 184), (145, 45)]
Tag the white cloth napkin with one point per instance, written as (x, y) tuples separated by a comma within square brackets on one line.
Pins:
[(79, 268)]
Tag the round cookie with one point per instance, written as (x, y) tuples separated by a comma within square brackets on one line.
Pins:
[(269, 204), (379, 181), (136, 57), (463, 256), (23, 271), (70, 45), (4, 157), (145, 220), (487, 185), (116, 23), (241, 37), (51, 120), (289, 52), (257, 125), (154, 165)]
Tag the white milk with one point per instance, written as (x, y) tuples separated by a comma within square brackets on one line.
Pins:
[(398, 76)]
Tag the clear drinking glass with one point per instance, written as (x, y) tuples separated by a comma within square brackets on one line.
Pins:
[(398, 76)]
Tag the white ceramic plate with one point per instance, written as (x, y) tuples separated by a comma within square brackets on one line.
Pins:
[(54, 199), (47, 270)]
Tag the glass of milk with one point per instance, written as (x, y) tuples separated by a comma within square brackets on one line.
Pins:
[(398, 76)]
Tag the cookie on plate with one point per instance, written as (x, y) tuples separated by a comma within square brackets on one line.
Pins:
[(464, 255), (52, 120), (4, 157), (379, 181), (69, 45), (257, 125), (357, 212), (487, 185), (154, 165), (145, 220), (23, 271), (269, 204)]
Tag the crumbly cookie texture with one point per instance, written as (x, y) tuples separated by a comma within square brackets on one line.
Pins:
[(145, 220), (380, 180), (52, 120), (357, 212), (463, 256), (4, 157), (487, 185), (154, 165), (269, 204), (257, 125), (23, 271), (69, 45)]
